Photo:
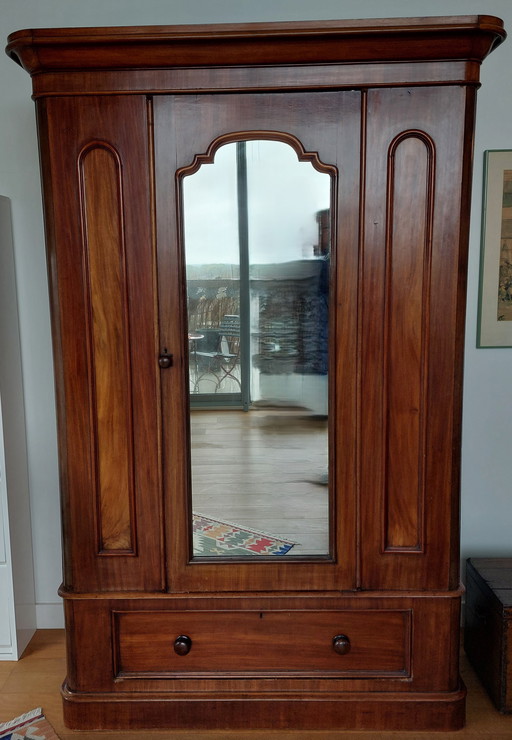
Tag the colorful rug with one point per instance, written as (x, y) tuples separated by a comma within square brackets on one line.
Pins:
[(213, 537), (30, 726)]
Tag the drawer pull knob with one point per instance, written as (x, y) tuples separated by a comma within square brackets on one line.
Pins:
[(182, 645), (341, 644)]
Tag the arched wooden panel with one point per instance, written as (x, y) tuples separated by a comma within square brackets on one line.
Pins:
[(102, 270), (409, 341), (408, 256), (109, 348)]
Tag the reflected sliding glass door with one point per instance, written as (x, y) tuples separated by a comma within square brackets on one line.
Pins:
[(215, 252), (256, 232)]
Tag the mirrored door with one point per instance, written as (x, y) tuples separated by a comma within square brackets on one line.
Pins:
[(251, 285)]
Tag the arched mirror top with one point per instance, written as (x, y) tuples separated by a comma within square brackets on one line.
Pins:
[(208, 157)]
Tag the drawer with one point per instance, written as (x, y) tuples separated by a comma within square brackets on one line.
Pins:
[(248, 643)]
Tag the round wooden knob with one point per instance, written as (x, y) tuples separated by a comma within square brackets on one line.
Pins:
[(341, 644), (165, 360), (182, 645)]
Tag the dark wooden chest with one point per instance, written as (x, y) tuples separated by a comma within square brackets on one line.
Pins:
[(488, 628)]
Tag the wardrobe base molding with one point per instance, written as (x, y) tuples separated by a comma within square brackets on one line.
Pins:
[(355, 711), (333, 661)]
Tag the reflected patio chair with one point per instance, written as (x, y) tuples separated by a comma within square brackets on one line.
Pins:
[(222, 363)]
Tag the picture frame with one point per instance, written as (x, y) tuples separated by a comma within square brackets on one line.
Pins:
[(495, 294)]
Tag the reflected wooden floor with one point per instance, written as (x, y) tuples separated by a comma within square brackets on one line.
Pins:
[(34, 681), (265, 470)]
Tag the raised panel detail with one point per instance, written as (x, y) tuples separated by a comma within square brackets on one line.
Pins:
[(109, 348), (407, 278)]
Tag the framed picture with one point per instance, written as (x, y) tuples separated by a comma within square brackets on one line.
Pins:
[(495, 301)]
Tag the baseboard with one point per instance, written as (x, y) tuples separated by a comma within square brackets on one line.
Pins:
[(49, 616)]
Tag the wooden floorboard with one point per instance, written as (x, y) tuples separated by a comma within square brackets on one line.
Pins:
[(34, 681), (265, 470)]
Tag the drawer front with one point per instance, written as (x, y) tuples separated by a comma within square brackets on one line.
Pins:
[(247, 643)]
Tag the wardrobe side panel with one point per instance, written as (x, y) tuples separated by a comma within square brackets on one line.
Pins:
[(412, 252), (96, 166)]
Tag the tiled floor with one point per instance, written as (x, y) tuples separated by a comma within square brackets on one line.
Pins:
[(35, 681)]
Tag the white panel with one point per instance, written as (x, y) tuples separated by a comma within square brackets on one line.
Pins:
[(3, 509), (17, 586), (6, 636)]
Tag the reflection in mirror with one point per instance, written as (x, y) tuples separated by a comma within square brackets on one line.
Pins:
[(256, 225)]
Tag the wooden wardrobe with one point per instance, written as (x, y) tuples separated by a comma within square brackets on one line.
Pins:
[(366, 633)]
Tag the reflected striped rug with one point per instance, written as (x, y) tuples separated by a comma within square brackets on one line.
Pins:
[(214, 537), (30, 726)]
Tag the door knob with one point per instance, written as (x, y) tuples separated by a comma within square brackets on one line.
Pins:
[(165, 360)]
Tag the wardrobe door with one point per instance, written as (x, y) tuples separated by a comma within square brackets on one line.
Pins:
[(101, 261), (415, 246), (322, 132)]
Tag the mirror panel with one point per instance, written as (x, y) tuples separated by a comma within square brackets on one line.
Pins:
[(256, 230)]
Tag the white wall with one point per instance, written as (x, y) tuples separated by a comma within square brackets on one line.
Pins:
[(487, 458)]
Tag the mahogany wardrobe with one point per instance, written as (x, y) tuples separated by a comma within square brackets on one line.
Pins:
[(259, 444)]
